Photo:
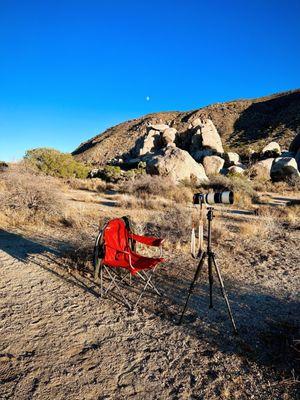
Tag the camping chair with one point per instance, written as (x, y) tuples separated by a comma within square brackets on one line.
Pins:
[(115, 251)]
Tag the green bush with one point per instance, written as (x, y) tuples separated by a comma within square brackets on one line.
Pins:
[(53, 162), (114, 174)]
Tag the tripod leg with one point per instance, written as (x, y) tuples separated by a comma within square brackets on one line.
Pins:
[(224, 295), (210, 279), (198, 270)]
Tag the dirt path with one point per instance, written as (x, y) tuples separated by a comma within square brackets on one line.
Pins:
[(60, 341)]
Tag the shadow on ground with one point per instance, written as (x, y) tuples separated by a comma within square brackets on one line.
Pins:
[(268, 326)]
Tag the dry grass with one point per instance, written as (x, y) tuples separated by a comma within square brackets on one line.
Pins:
[(93, 185), (146, 202), (261, 229), (284, 214), (26, 198), (145, 186)]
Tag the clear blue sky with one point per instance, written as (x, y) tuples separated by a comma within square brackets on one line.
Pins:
[(69, 68)]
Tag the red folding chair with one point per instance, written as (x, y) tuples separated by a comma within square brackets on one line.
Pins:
[(115, 251)]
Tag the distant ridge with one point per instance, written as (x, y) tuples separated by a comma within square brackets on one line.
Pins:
[(241, 123)]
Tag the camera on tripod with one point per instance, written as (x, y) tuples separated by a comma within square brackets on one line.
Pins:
[(201, 199), (226, 197)]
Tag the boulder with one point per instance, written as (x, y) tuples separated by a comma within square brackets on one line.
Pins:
[(231, 159), (210, 137), (262, 169), (237, 169), (149, 143), (295, 145), (272, 147), (168, 136), (196, 122), (158, 127), (206, 137), (176, 164), (213, 164), (284, 168)]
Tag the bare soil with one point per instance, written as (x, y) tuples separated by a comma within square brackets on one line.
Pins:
[(60, 340)]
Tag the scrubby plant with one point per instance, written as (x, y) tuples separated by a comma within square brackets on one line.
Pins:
[(54, 163), (26, 197), (146, 185), (114, 173)]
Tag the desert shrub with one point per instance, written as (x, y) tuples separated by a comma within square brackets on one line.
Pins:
[(28, 197), (294, 182), (289, 215), (54, 163), (147, 202), (242, 187), (263, 228), (110, 173), (147, 185), (174, 224), (94, 184), (114, 174)]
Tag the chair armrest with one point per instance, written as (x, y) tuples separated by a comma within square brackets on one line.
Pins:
[(148, 240)]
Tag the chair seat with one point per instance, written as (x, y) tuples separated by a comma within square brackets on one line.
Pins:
[(138, 262)]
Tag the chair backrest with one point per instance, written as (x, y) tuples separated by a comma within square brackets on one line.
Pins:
[(116, 239)]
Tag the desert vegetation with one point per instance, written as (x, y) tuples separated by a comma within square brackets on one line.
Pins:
[(256, 249), (54, 163)]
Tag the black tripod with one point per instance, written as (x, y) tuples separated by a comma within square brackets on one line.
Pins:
[(211, 262)]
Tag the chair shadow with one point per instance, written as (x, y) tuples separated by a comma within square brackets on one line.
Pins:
[(267, 325), (22, 249)]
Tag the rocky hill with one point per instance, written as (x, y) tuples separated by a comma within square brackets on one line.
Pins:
[(240, 123)]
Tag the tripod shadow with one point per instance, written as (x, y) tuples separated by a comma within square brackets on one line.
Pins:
[(268, 326)]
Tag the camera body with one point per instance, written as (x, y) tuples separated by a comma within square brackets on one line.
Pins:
[(226, 197)]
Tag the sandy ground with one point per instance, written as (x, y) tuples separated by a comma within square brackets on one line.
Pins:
[(59, 340)]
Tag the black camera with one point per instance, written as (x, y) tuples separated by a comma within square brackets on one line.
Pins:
[(214, 198)]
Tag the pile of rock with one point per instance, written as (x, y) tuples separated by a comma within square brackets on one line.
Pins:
[(203, 155), (276, 164)]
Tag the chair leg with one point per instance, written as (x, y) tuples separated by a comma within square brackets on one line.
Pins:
[(148, 282), (101, 281), (113, 278), (97, 268)]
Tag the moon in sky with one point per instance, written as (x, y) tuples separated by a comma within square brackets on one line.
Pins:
[(147, 98)]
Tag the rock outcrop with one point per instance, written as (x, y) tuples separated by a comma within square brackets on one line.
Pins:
[(206, 137), (149, 143), (176, 164), (231, 159), (239, 170), (284, 168), (272, 147), (168, 137), (213, 164), (262, 169)]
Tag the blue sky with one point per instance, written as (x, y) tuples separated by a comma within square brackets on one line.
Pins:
[(69, 69)]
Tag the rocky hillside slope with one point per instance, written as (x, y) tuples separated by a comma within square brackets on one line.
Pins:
[(240, 123)]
